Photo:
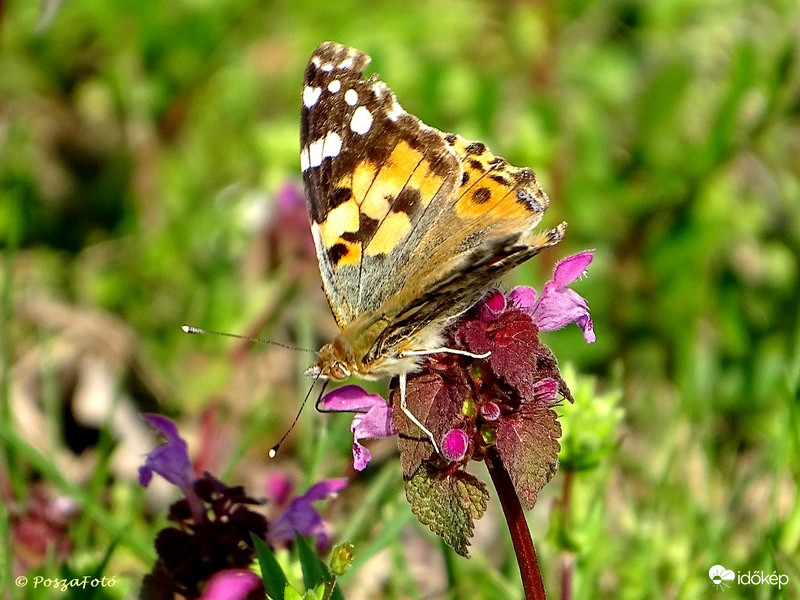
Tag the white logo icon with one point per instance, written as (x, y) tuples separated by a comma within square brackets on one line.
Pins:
[(719, 575)]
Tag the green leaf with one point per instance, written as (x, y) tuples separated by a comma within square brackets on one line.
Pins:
[(271, 572), (293, 594), (315, 571), (447, 504)]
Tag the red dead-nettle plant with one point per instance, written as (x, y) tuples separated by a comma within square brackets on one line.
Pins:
[(497, 409)]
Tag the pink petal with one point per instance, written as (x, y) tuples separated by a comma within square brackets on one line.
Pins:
[(375, 423), (325, 489), (557, 308), (373, 418), (586, 324), (572, 267), (559, 305), (522, 296), (492, 305), (278, 488), (361, 456), (350, 398), (233, 584)]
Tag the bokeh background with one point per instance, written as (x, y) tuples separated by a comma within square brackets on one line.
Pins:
[(149, 177)]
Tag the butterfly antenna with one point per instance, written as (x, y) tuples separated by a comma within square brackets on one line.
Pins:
[(199, 331), (274, 450)]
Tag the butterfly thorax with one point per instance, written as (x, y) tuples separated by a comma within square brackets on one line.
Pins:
[(339, 360)]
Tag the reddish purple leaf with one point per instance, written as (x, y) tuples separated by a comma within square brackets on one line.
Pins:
[(435, 398), (528, 446)]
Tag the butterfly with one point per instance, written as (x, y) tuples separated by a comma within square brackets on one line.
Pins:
[(411, 225)]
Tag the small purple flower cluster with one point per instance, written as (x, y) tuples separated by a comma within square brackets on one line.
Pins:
[(205, 555)]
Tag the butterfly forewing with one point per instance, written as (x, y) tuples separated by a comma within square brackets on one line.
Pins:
[(371, 175)]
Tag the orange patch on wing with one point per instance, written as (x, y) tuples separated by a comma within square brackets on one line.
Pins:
[(394, 228), (341, 219), (460, 146), (391, 178), (351, 257), (483, 197), (481, 193), (403, 159), (426, 182), (375, 206), (362, 178)]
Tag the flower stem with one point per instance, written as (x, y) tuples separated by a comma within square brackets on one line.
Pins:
[(329, 588), (518, 527), (567, 557)]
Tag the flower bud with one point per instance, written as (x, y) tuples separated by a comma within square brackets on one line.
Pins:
[(454, 445)]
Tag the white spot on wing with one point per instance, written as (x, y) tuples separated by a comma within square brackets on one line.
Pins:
[(327, 67), (311, 95), (361, 121), (396, 111), (334, 86), (351, 97), (333, 145), (304, 160), (315, 152), (315, 59), (379, 88), (319, 149), (346, 63)]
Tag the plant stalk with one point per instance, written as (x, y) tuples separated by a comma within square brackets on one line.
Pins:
[(567, 557), (518, 527)]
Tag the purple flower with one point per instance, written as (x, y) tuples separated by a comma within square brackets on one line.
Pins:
[(558, 305), (301, 516), (234, 584), (373, 418), (170, 459), (210, 542), (212, 532)]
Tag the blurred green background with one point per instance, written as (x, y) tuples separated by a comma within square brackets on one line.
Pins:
[(142, 146)]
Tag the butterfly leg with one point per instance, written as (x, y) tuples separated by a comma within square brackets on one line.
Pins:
[(446, 351), (410, 415)]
